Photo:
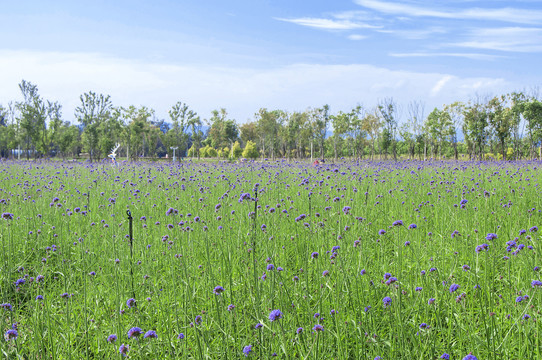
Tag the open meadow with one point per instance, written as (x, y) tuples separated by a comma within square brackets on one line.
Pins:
[(355, 260)]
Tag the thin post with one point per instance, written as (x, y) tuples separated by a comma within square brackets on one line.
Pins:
[(130, 219)]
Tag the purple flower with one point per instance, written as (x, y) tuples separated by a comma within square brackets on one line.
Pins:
[(150, 334), (536, 283), (412, 226), (247, 349), (454, 287), (398, 223), (123, 350), (431, 301), (299, 330), (318, 328), (11, 334), (533, 229), (258, 326), (270, 267), (112, 338), (180, 336), (491, 236), (314, 255), (131, 302), (134, 332), (325, 273), (381, 232), (198, 319), (445, 356), (7, 216), (391, 280), (479, 248), (275, 315), (386, 301), (470, 357), (218, 290)]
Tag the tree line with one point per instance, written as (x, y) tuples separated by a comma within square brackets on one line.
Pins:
[(500, 127)]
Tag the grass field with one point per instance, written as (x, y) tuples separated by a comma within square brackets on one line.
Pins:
[(406, 260)]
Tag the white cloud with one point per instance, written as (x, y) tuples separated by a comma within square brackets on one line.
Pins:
[(440, 84), (415, 34), (507, 14), (327, 24), (513, 39), (242, 91), (473, 56), (357, 37)]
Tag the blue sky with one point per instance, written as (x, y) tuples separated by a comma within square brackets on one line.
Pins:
[(291, 55)]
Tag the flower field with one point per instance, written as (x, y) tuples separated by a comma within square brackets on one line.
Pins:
[(407, 260)]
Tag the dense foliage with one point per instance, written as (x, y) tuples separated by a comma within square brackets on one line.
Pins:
[(503, 127)]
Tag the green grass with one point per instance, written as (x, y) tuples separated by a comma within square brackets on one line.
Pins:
[(174, 271)]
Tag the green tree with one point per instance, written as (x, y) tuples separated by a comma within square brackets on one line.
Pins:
[(438, 126), (475, 126), (34, 112), (341, 125), (250, 151), (69, 139), (387, 110), (181, 117), (456, 113), (196, 134), (371, 124), (501, 121), (236, 150), (268, 125), (532, 112), (94, 110)]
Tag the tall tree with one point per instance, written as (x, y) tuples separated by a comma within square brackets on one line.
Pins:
[(321, 125), (268, 124), (387, 110), (532, 111), (500, 121), (438, 126), (180, 116), (476, 126), (33, 112), (371, 124), (341, 125), (516, 101), (196, 134), (94, 110), (456, 113)]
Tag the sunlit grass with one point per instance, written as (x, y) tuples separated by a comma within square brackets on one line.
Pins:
[(392, 240)]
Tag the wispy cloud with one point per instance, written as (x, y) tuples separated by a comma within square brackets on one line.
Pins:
[(506, 14), (415, 34), (473, 56), (440, 84), (242, 91), (357, 37), (509, 39), (326, 24)]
